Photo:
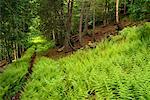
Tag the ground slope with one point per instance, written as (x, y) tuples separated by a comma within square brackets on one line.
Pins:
[(101, 32), (118, 68)]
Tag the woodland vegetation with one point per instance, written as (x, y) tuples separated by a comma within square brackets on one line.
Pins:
[(74, 49)]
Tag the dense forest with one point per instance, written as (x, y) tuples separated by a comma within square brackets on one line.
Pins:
[(74, 49)]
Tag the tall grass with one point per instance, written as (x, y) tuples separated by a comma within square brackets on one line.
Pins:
[(15, 71)]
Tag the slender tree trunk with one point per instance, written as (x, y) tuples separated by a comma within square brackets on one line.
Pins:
[(62, 25), (54, 38), (4, 50), (67, 26), (125, 7), (86, 24), (17, 53), (86, 20), (108, 8), (80, 26), (93, 33), (117, 15), (105, 13), (8, 52), (23, 48), (104, 17), (15, 56), (68, 23)]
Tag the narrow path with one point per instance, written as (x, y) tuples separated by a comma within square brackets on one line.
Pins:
[(20, 84)]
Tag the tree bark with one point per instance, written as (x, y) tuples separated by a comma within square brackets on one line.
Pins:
[(8, 52), (125, 7), (68, 23), (105, 14), (14, 47), (117, 15), (86, 19), (17, 53), (93, 33), (80, 25), (54, 37)]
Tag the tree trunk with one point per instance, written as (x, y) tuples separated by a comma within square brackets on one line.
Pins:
[(17, 53), (125, 7), (80, 26), (54, 38), (62, 25), (8, 52), (86, 24), (93, 33), (105, 13), (86, 20), (15, 56), (68, 23), (108, 8), (117, 15)]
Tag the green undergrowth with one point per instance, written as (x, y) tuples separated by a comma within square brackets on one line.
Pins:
[(42, 44), (117, 69), (15, 71), (12, 79)]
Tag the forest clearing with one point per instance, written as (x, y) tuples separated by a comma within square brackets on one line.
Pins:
[(75, 50)]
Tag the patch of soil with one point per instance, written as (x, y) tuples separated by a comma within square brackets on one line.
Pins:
[(3, 64), (54, 54), (101, 32)]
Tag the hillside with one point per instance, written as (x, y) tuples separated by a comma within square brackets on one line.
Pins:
[(75, 50), (118, 68)]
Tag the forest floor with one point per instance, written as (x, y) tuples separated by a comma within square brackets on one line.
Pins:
[(3, 64), (101, 32)]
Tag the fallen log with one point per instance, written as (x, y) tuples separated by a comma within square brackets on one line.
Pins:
[(3, 63)]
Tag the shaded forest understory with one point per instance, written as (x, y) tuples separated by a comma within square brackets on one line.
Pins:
[(101, 32)]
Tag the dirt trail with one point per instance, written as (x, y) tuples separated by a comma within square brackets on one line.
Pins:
[(27, 76), (22, 83), (100, 32)]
